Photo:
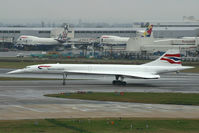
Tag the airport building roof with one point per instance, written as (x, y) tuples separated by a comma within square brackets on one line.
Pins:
[(98, 29), (135, 29), (26, 28), (170, 32)]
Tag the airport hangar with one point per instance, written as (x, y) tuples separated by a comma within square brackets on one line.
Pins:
[(9, 35)]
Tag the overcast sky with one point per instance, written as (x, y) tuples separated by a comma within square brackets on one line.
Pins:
[(111, 11)]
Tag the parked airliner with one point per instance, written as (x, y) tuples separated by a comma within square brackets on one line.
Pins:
[(109, 39), (169, 62), (26, 40)]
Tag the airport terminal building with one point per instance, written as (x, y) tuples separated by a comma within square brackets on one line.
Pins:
[(9, 35)]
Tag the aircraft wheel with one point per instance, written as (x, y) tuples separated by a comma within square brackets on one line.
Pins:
[(118, 82), (114, 82), (123, 83)]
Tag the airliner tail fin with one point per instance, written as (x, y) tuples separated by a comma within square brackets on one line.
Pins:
[(63, 36), (170, 58), (148, 31)]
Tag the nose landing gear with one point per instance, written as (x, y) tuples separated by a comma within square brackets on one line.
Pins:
[(119, 82), (64, 78)]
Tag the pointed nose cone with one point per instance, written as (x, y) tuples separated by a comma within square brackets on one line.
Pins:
[(16, 71)]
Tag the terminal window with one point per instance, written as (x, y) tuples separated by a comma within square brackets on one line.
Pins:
[(40, 32)]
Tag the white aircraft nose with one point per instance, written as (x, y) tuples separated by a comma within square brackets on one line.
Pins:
[(16, 71)]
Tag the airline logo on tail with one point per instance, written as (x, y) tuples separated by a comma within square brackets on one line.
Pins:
[(62, 38), (172, 58), (148, 31)]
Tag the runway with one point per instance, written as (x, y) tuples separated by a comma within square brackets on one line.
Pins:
[(25, 100)]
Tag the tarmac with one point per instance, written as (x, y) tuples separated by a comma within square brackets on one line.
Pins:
[(25, 100)]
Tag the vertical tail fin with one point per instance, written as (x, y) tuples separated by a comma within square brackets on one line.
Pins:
[(170, 58), (148, 31), (63, 36)]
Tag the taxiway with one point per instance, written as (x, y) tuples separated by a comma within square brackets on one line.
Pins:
[(25, 100)]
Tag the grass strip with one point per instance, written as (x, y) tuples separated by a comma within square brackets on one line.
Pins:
[(135, 97), (103, 125)]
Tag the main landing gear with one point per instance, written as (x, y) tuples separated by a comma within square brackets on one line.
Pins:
[(64, 78), (119, 82)]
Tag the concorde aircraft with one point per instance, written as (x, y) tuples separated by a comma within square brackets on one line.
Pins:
[(169, 62)]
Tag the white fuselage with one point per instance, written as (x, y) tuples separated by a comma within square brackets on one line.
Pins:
[(97, 69), (32, 40), (107, 39), (168, 62)]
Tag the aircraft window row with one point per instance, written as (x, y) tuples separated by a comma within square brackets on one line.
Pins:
[(9, 31), (105, 31), (44, 32)]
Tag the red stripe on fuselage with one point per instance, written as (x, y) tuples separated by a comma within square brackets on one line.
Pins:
[(44, 66), (24, 37), (105, 37)]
